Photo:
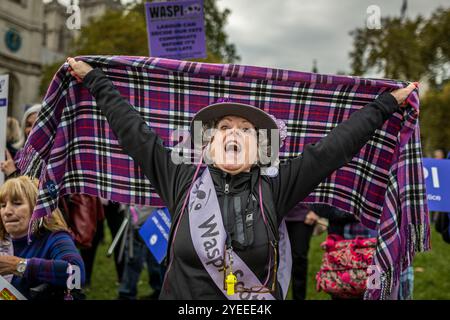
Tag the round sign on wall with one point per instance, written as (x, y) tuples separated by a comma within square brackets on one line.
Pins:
[(13, 40)]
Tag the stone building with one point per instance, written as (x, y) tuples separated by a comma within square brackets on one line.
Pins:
[(21, 50), (34, 33)]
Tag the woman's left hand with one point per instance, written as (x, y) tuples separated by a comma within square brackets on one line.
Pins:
[(8, 265), (401, 94)]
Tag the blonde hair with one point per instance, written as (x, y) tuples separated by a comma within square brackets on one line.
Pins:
[(25, 189)]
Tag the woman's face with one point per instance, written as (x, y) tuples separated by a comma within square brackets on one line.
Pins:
[(29, 123), (15, 217), (234, 146)]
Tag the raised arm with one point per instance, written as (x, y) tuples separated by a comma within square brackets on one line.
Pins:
[(300, 176), (134, 135)]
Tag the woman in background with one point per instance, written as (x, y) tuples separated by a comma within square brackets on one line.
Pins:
[(40, 269)]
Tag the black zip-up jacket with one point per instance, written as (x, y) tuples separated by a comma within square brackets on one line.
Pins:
[(297, 177)]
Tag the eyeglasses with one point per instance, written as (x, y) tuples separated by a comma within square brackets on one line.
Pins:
[(239, 287)]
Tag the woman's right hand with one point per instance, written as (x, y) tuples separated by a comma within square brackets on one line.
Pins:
[(78, 69)]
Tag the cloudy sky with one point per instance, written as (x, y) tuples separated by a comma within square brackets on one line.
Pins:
[(292, 33)]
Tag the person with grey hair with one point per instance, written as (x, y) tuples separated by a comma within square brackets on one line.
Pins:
[(29, 118)]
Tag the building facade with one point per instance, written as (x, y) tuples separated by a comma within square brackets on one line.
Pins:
[(21, 50), (34, 33)]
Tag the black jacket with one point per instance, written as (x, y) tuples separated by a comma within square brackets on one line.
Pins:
[(186, 278)]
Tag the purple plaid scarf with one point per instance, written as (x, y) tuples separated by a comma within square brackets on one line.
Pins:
[(383, 184)]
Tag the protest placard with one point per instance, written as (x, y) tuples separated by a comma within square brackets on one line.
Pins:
[(8, 291), (176, 29), (155, 233), (437, 179), (3, 116)]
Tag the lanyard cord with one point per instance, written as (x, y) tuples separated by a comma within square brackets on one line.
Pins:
[(273, 242)]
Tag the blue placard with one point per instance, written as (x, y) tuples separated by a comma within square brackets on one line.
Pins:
[(437, 179), (3, 102), (155, 233)]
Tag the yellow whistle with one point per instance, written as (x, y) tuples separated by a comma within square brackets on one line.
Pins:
[(231, 282)]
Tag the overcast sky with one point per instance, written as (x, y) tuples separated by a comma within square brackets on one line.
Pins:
[(292, 33)]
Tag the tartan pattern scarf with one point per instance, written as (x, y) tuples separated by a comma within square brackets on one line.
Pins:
[(73, 150)]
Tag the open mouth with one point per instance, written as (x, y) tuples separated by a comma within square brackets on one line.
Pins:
[(232, 146)]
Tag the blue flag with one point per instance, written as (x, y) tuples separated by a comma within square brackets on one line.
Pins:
[(155, 233)]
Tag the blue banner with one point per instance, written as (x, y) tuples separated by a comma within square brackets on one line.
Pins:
[(155, 233), (3, 102), (437, 179)]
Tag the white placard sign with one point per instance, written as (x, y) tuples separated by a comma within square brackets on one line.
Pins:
[(8, 291)]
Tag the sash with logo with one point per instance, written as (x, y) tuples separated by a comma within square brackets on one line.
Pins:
[(208, 236)]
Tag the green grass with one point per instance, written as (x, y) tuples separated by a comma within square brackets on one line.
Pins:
[(104, 285), (431, 276), (433, 281)]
